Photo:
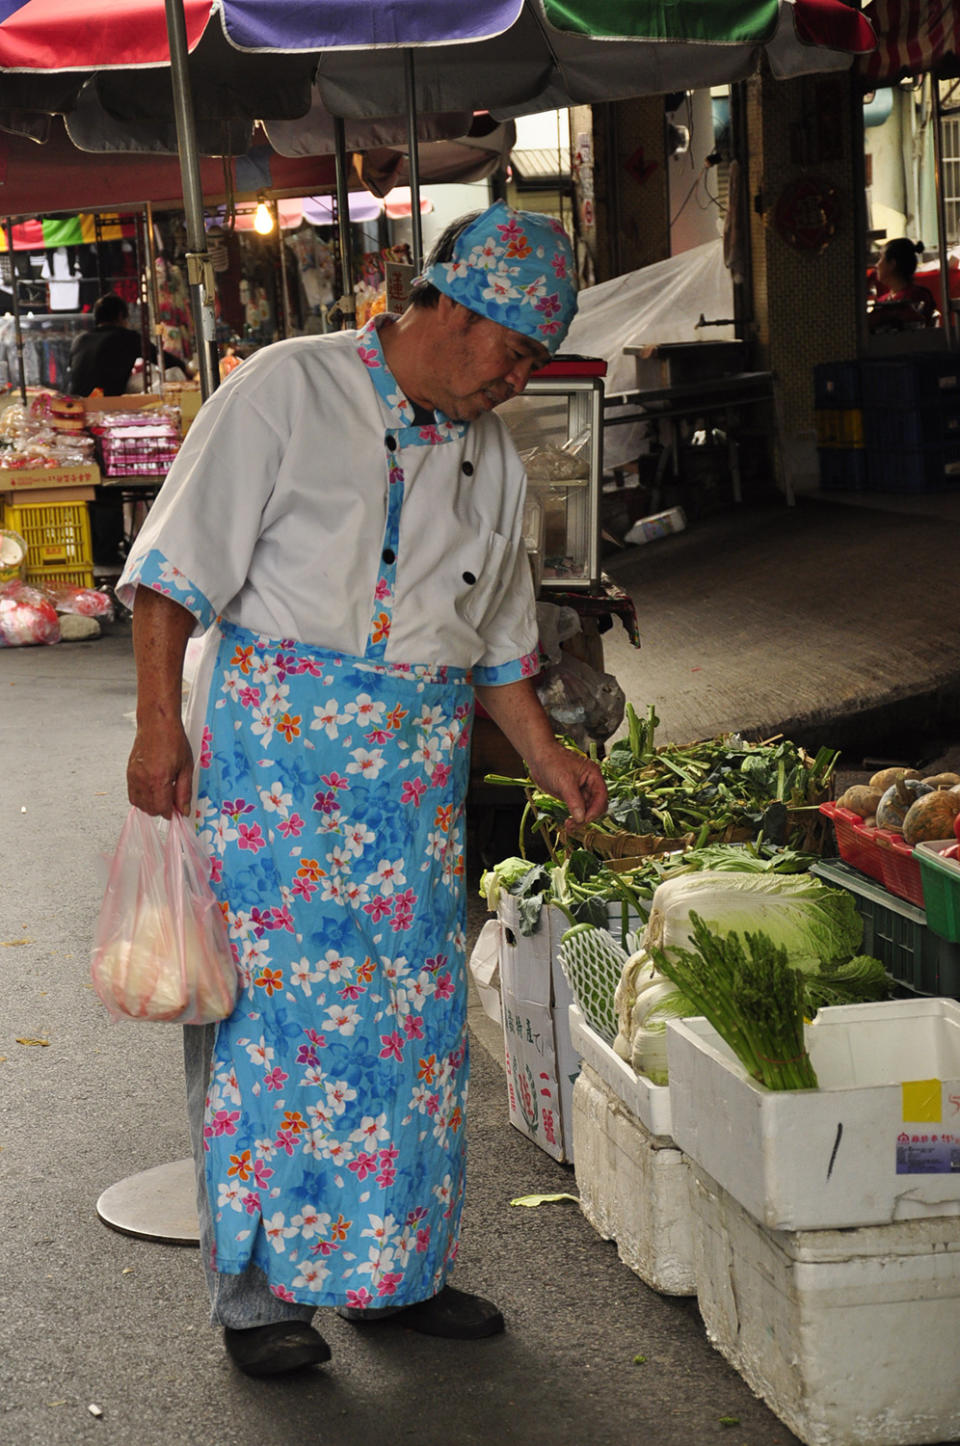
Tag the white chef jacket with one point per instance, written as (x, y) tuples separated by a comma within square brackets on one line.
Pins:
[(274, 514)]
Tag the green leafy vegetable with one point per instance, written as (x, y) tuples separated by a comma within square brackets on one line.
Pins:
[(861, 980)]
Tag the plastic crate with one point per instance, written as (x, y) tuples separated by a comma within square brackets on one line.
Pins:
[(896, 933), (901, 871), (941, 888), (59, 543), (899, 428), (924, 469), (843, 469), (855, 843), (912, 381), (839, 427), (837, 384)]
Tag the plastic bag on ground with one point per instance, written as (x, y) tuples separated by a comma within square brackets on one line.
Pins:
[(27, 616), (161, 951)]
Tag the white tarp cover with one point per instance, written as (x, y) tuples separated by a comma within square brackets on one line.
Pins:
[(659, 303)]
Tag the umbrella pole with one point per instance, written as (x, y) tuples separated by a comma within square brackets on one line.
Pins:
[(413, 161), (347, 302), (948, 318), (17, 328), (200, 277), (282, 258), (152, 295)]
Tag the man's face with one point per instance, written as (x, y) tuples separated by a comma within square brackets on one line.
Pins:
[(476, 364)]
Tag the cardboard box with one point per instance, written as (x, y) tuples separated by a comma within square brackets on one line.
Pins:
[(848, 1335), (129, 402), (879, 1141), (53, 494), (541, 1062), (26, 479), (633, 1187)]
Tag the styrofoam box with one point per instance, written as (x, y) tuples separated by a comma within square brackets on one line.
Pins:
[(879, 1141), (650, 1103), (632, 1186), (541, 1062), (849, 1336)]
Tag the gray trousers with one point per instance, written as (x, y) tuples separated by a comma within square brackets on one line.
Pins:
[(239, 1301)]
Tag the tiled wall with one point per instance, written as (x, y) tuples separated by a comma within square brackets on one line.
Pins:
[(805, 302)]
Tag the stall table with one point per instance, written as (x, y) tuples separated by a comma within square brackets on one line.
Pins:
[(722, 398)]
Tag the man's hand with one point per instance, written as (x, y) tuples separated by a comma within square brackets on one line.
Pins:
[(517, 710), (577, 781), (160, 769)]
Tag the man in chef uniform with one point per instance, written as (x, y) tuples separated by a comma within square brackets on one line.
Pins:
[(343, 523)]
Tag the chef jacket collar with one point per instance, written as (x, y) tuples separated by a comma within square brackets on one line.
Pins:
[(398, 406)]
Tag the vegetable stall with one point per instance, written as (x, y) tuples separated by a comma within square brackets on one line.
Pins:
[(730, 1004)]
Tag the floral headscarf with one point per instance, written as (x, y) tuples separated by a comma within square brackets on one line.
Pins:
[(513, 267)]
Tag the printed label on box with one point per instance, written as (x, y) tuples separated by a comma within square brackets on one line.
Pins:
[(532, 1074), (930, 1154)]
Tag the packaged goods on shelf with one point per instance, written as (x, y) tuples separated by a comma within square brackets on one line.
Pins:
[(140, 443)]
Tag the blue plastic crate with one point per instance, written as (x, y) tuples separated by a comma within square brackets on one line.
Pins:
[(842, 469), (836, 384), (911, 381), (896, 933), (920, 469), (933, 424)]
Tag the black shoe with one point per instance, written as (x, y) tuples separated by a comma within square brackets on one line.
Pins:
[(275, 1349), (453, 1315)]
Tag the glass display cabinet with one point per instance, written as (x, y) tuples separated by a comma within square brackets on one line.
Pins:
[(557, 427)]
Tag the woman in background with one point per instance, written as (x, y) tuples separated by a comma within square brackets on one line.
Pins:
[(902, 305)]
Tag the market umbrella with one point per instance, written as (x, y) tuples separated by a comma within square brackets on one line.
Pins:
[(509, 56)]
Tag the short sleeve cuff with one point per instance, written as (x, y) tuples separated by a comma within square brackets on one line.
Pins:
[(526, 667), (155, 571)]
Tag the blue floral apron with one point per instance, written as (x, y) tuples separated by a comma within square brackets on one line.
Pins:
[(331, 797)]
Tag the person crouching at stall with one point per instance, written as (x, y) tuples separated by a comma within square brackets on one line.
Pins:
[(344, 523)]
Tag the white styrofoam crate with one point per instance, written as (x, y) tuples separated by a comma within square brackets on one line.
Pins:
[(848, 1335), (633, 1187), (879, 1141), (650, 1103)]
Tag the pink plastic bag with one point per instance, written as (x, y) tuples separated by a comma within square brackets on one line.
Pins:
[(161, 950)]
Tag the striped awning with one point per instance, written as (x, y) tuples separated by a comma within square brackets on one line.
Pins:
[(48, 232), (913, 37)]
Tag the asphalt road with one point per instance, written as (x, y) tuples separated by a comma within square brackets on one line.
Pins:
[(90, 1317)]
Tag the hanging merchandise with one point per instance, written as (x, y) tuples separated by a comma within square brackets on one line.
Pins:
[(317, 267)]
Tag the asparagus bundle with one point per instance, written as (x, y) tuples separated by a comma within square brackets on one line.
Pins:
[(753, 998)]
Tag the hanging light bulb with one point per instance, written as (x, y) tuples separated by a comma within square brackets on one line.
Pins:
[(263, 217)]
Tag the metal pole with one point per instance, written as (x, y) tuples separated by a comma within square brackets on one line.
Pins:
[(200, 277), (347, 301), (948, 317), (281, 254), (17, 329), (413, 161)]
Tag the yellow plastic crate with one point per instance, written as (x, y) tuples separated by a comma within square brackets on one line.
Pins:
[(837, 427), (59, 544)]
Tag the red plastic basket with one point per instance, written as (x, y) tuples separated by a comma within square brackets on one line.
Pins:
[(855, 842), (901, 871)]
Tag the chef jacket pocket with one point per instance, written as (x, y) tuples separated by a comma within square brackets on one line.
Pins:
[(481, 580)]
